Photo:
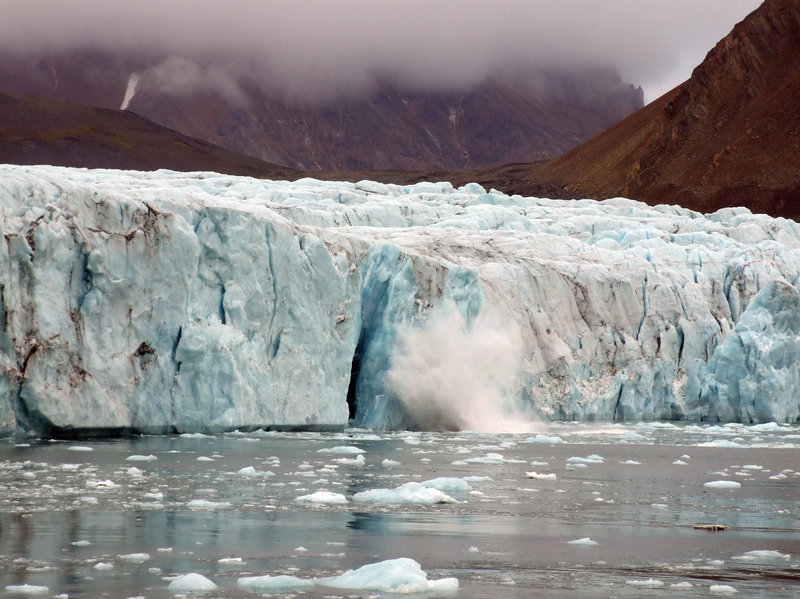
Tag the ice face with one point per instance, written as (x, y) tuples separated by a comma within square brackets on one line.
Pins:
[(198, 302)]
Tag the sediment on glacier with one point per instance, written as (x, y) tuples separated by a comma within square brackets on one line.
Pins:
[(173, 302)]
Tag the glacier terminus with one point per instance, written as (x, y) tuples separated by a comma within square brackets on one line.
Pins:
[(196, 302)]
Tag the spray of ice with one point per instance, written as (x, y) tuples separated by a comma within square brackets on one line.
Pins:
[(454, 375)]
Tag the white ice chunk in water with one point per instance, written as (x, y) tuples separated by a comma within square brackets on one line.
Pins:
[(204, 504), (590, 459), (137, 558), (538, 476), (722, 589), (267, 582), (586, 541), (722, 484), (104, 566), (323, 497), (141, 458), (649, 583), (191, 583), (447, 484), (387, 463), (27, 589), (409, 493), (762, 555), (342, 450), (402, 575), (80, 448)]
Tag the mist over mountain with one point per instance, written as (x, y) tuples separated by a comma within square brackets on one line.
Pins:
[(513, 116)]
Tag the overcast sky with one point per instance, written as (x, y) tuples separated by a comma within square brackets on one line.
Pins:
[(341, 44)]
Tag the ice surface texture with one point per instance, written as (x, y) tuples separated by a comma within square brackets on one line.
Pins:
[(198, 302)]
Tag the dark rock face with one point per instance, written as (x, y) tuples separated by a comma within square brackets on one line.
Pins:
[(730, 135), (534, 116)]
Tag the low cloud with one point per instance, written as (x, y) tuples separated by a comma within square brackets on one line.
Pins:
[(333, 47)]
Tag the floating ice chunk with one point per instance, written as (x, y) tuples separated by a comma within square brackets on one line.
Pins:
[(80, 448), (101, 484), (342, 450), (387, 463), (590, 459), (81, 543), (227, 561), (585, 541), (681, 585), (191, 582), (204, 504), (300, 549), (323, 497), (358, 461), (473, 549), (409, 493), (720, 443), (251, 471), (537, 476), (631, 463), (138, 558), (104, 566), (133, 471), (752, 467), (649, 583), (722, 484), (401, 575), (70, 467), (141, 458), (493, 458), (27, 589), (447, 484), (548, 439), (205, 458), (762, 555), (273, 582), (779, 476), (195, 436), (680, 463), (722, 589)]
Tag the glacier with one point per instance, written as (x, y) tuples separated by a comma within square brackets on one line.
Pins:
[(165, 302)]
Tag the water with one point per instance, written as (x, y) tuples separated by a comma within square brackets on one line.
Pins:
[(74, 515)]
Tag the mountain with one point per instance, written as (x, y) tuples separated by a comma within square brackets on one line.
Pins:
[(522, 117), (36, 130), (728, 136)]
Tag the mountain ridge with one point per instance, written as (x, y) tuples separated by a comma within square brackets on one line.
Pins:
[(729, 135)]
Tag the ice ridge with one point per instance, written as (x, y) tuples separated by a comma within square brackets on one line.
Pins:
[(199, 302)]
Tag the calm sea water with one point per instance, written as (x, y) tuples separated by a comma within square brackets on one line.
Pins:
[(122, 518)]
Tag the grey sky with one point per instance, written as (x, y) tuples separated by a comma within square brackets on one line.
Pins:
[(342, 44)]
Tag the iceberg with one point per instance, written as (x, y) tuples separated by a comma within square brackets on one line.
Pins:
[(167, 302)]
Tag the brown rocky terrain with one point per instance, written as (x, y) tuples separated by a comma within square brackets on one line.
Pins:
[(509, 119), (36, 130), (728, 136)]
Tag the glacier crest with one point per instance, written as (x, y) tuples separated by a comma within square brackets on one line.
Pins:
[(198, 302)]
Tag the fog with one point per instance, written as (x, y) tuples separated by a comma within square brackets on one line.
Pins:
[(322, 48)]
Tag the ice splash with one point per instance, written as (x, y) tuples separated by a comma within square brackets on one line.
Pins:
[(454, 375)]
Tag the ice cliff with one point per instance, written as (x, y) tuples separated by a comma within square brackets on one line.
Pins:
[(168, 301)]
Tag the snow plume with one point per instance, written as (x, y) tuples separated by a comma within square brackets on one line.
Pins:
[(130, 91), (454, 375)]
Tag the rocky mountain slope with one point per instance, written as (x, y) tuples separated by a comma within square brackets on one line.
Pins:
[(36, 130), (730, 135), (519, 118)]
